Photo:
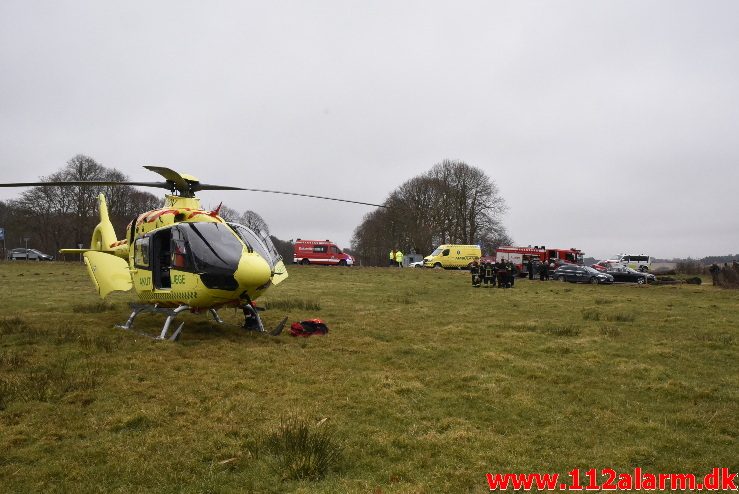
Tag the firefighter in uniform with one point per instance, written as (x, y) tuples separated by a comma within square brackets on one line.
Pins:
[(490, 273), (511, 274), (475, 272), (501, 272)]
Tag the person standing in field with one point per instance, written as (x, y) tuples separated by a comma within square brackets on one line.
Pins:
[(391, 261), (399, 258), (489, 274), (475, 272), (530, 267), (511, 273), (714, 270), (500, 270)]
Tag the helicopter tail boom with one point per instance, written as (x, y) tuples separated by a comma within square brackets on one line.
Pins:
[(108, 272)]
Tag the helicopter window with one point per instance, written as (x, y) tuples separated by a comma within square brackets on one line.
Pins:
[(267, 241), (258, 242), (213, 246), (179, 251), (141, 252)]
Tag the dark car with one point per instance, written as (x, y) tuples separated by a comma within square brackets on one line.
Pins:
[(581, 274), (627, 275), (28, 255)]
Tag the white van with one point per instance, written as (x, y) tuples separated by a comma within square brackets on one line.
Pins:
[(639, 262)]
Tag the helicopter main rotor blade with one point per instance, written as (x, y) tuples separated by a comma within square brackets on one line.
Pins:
[(199, 186), (171, 176), (161, 185), (315, 197)]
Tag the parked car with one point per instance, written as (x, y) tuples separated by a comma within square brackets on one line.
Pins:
[(28, 255), (628, 275), (417, 264), (581, 274)]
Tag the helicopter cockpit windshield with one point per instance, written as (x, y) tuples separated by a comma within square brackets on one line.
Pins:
[(213, 246), (259, 242)]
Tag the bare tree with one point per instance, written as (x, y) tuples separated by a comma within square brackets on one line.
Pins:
[(252, 220), (452, 203), (228, 214)]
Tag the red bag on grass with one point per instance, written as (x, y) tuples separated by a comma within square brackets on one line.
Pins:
[(308, 328)]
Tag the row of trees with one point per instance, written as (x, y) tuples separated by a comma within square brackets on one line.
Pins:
[(453, 203), (53, 217)]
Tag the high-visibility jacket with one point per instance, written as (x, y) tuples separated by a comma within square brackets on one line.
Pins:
[(399, 257)]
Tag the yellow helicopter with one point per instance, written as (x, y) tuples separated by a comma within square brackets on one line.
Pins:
[(182, 257)]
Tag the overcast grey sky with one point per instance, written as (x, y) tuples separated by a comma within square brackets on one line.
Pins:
[(608, 126)]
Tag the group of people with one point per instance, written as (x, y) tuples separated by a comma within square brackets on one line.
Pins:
[(501, 274), (727, 276), (541, 268), (396, 258)]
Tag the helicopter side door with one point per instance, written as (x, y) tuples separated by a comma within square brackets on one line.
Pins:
[(142, 264), (161, 262), (156, 255)]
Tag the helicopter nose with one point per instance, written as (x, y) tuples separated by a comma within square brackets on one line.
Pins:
[(253, 272)]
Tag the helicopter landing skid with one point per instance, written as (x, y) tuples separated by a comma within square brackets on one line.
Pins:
[(171, 314), (252, 321)]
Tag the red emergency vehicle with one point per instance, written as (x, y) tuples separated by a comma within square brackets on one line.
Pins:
[(320, 252), (520, 256)]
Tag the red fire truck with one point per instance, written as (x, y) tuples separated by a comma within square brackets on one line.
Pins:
[(520, 256), (320, 252)]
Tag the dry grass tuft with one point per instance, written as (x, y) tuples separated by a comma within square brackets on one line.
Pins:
[(621, 317), (13, 325), (300, 450)]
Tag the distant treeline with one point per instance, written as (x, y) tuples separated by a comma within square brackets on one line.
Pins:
[(52, 217), (707, 261)]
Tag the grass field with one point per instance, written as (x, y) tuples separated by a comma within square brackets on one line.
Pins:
[(422, 385)]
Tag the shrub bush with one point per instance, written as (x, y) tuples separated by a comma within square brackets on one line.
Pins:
[(690, 266)]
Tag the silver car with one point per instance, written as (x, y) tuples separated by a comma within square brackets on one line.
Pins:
[(28, 255)]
